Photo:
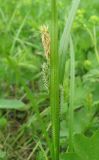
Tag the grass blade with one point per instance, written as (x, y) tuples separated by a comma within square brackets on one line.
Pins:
[(72, 94), (18, 34), (64, 42)]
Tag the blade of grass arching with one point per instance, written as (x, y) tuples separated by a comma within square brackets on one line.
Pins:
[(54, 81), (72, 94), (64, 42), (17, 34)]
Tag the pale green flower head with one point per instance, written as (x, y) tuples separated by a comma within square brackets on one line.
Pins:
[(94, 19)]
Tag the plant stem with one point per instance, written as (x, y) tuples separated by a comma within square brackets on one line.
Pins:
[(72, 89), (54, 81)]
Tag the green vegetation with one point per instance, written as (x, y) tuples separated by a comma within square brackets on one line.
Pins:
[(49, 80)]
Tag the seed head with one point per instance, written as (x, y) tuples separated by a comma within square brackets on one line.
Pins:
[(45, 40)]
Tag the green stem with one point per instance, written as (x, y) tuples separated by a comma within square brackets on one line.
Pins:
[(54, 81), (72, 89), (95, 44)]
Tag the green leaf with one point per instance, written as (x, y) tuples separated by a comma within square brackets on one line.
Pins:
[(81, 120), (70, 156), (80, 123), (3, 122), (92, 76), (87, 148), (3, 155), (12, 104), (64, 42)]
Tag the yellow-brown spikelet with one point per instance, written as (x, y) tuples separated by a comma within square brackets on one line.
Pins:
[(45, 40)]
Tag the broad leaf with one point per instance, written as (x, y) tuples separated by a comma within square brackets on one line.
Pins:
[(80, 123), (70, 156), (3, 155), (87, 148), (12, 104)]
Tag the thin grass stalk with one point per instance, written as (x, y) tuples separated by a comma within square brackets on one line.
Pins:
[(72, 94), (54, 81)]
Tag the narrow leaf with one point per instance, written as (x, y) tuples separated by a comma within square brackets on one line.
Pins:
[(64, 42)]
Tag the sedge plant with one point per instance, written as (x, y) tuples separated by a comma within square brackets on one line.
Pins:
[(57, 70)]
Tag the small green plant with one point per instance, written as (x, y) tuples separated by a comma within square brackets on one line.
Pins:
[(49, 99)]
